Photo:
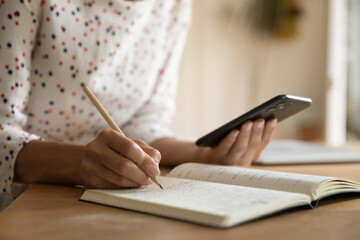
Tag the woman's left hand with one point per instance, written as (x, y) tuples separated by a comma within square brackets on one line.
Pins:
[(241, 147)]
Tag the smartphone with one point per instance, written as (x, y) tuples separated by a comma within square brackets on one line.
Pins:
[(279, 107)]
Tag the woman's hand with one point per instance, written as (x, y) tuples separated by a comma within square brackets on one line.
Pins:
[(241, 147), (113, 160)]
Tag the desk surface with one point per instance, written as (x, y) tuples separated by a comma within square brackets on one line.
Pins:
[(54, 212)]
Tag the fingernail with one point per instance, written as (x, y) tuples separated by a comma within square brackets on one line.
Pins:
[(152, 170), (249, 126), (260, 124), (235, 133), (156, 160), (273, 123)]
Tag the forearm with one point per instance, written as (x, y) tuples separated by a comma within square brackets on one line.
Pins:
[(49, 162), (239, 147), (174, 151)]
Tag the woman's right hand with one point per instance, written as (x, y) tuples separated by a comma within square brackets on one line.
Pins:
[(112, 160)]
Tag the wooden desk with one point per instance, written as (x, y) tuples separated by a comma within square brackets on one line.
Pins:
[(54, 212)]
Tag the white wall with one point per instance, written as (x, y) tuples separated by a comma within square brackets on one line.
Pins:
[(225, 71), (353, 105)]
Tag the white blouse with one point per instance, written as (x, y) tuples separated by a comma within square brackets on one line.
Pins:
[(127, 53)]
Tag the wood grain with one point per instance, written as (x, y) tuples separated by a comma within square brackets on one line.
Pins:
[(54, 212)]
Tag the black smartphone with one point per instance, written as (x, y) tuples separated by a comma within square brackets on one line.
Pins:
[(279, 107)]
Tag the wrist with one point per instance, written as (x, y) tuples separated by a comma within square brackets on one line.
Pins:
[(75, 168), (175, 151), (49, 162), (202, 154)]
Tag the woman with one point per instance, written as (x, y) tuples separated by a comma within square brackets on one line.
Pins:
[(128, 54)]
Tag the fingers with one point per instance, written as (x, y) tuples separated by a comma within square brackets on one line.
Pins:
[(152, 152), (131, 150), (241, 144), (96, 182), (225, 145), (124, 167), (105, 178), (268, 133), (106, 174), (113, 160), (255, 142), (150, 163), (244, 146)]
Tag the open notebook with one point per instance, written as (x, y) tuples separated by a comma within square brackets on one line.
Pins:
[(300, 152), (222, 196)]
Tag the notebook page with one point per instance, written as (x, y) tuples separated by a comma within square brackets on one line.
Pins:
[(291, 182), (200, 197)]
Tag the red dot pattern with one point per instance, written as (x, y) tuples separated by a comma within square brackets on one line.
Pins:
[(127, 52)]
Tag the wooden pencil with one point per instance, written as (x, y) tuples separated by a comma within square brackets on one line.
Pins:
[(108, 119)]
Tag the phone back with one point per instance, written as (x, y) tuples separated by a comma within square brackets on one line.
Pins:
[(279, 107)]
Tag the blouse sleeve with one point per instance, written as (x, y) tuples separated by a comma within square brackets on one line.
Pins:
[(152, 120), (19, 21)]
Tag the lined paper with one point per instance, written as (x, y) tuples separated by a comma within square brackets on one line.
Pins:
[(291, 182), (198, 196)]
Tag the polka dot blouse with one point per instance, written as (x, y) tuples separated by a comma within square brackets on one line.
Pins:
[(127, 53)]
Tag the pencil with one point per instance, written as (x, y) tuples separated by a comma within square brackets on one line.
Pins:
[(109, 120)]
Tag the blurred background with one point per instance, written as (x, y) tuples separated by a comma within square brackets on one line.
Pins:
[(240, 53)]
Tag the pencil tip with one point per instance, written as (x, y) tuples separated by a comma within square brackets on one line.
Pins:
[(161, 186)]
